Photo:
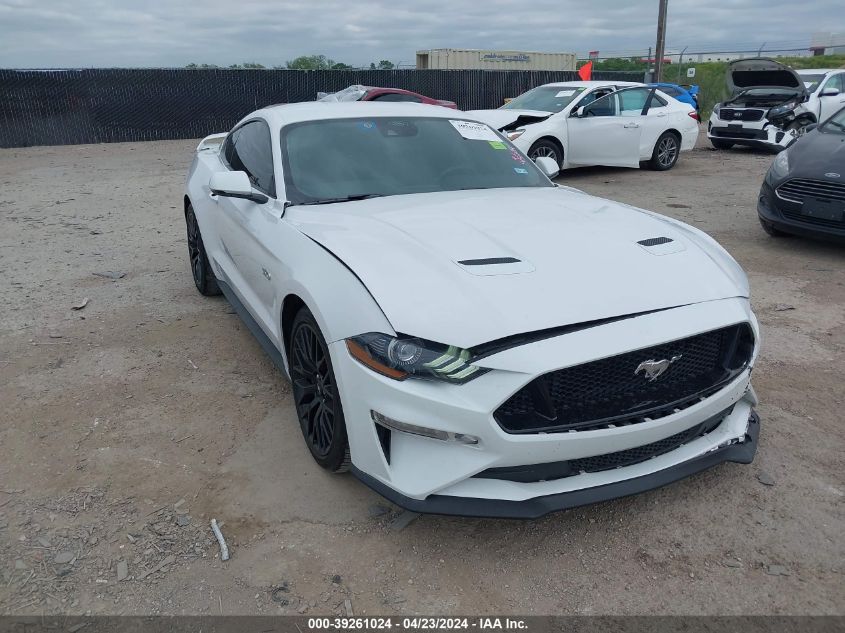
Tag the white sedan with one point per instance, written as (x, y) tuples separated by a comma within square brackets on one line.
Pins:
[(461, 333), (581, 123)]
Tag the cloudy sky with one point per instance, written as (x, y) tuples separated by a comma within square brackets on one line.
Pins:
[(84, 33)]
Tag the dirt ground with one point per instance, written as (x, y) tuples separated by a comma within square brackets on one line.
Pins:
[(128, 424)]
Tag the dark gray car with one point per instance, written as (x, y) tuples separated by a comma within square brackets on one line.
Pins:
[(804, 190)]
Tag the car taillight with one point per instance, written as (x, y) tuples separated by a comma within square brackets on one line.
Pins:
[(694, 115)]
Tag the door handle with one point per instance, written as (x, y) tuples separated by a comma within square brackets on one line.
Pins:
[(631, 125), (660, 114)]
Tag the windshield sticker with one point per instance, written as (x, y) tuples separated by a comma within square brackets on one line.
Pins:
[(367, 125), (517, 156), (520, 170), (565, 93), (474, 131), (497, 145)]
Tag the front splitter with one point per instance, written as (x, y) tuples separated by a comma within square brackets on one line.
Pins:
[(742, 453)]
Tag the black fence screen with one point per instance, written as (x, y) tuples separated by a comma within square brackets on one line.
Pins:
[(64, 107)]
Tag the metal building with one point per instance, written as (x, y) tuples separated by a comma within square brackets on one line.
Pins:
[(473, 59)]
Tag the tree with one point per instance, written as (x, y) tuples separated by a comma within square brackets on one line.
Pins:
[(247, 65), (311, 62), (383, 65), (619, 63)]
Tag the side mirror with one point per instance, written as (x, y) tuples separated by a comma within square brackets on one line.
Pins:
[(579, 112), (235, 184), (548, 166), (830, 92)]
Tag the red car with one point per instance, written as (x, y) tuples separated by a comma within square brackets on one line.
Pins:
[(369, 93)]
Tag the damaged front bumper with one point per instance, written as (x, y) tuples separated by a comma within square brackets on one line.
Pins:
[(762, 134)]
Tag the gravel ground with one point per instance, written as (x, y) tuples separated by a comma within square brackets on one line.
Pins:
[(128, 424)]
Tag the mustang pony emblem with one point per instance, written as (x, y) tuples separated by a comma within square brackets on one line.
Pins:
[(654, 369)]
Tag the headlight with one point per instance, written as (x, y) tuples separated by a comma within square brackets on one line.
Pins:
[(515, 134), (716, 108), (780, 166), (782, 109), (401, 358)]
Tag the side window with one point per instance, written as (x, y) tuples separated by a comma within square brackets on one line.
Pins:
[(633, 101), (397, 97), (592, 96), (606, 106), (657, 102), (249, 149), (838, 82), (671, 91)]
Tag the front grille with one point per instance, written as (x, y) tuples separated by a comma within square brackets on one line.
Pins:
[(730, 114), (608, 392), (799, 189), (808, 219), (608, 461)]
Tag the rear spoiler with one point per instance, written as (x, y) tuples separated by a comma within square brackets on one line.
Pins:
[(212, 142)]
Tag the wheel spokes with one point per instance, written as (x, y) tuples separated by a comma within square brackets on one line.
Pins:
[(313, 389)]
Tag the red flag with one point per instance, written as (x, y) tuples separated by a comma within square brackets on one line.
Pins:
[(586, 71)]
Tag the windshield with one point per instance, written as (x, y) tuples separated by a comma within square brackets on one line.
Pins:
[(811, 82), (836, 123), (337, 159), (544, 98)]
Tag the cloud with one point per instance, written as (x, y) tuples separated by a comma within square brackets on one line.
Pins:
[(85, 33)]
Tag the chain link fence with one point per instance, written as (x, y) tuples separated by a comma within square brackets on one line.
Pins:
[(65, 107)]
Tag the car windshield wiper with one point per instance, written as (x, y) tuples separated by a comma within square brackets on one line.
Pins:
[(356, 196), (839, 125)]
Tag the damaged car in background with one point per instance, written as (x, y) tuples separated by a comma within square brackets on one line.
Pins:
[(390, 95), (769, 107), (585, 123)]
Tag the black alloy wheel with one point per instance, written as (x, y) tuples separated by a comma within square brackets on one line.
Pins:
[(316, 396), (204, 277)]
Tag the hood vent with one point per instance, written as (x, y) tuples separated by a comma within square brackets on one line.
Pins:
[(489, 261), (661, 245), (655, 241), (491, 266)]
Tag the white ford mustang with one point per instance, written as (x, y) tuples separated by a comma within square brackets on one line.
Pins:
[(613, 123), (461, 333)]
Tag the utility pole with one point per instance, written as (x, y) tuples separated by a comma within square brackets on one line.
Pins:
[(661, 40)]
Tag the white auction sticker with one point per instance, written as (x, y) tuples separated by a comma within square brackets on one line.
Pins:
[(474, 131), (565, 93)]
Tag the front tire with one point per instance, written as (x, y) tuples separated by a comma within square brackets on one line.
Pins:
[(721, 144), (548, 149), (204, 278), (316, 395), (667, 149)]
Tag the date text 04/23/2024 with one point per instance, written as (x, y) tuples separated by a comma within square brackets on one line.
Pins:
[(417, 624)]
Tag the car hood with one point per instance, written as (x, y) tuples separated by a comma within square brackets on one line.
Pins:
[(510, 119), (560, 257), (816, 154), (761, 72)]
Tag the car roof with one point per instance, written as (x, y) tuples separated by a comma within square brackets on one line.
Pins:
[(590, 84), (818, 71), (285, 114)]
